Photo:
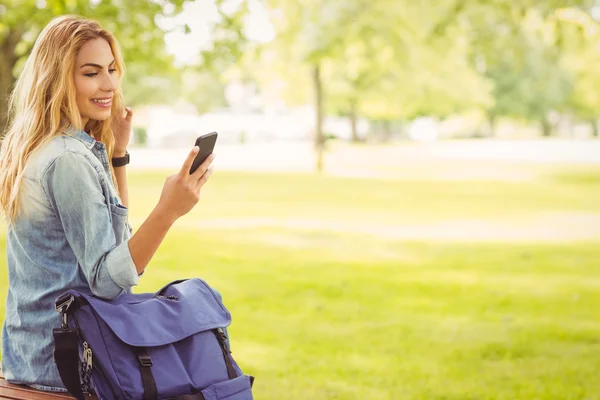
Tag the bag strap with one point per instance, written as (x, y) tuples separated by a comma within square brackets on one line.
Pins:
[(66, 357), (222, 339), (66, 347), (150, 391), (162, 291)]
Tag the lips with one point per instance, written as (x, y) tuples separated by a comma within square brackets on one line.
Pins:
[(102, 102)]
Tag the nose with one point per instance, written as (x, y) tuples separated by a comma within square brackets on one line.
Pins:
[(109, 82)]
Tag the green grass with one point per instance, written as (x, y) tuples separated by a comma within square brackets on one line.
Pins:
[(321, 312), (240, 195)]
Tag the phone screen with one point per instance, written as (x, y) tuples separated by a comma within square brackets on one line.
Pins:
[(207, 144)]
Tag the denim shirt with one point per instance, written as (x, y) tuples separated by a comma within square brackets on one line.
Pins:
[(71, 233)]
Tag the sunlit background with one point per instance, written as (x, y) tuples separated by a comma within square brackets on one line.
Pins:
[(406, 203)]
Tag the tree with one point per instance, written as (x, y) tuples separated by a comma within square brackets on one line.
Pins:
[(203, 89), (376, 58), (133, 22), (397, 59), (309, 33), (578, 35), (517, 47)]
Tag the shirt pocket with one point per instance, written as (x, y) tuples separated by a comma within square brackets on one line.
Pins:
[(120, 226)]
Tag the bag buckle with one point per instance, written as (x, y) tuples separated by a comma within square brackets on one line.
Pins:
[(62, 305), (145, 360)]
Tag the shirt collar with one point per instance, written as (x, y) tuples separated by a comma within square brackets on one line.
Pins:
[(82, 136)]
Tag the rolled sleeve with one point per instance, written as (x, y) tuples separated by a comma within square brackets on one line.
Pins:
[(75, 189), (121, 267)]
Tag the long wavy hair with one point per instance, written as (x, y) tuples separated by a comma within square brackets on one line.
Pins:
[(43, 106)]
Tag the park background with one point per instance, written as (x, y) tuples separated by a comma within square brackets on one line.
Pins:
[(406, 203)]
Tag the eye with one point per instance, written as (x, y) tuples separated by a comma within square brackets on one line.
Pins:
[(91, 75), (110, 71)]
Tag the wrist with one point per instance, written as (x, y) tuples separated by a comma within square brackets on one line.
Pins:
[(120, 161), (164, 215), (119, 153)]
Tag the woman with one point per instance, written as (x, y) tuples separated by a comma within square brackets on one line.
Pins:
[(64, 200)]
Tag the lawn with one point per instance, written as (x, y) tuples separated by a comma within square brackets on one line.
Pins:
[(332, 300)]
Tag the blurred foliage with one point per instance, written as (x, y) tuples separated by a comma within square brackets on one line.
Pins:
[(401, 59), (228, 38), (524, 49), (204, 89), (140, 136), (149, 66), (384, 60)]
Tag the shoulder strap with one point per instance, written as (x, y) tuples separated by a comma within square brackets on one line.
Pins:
[(66, 357), (150, 391)]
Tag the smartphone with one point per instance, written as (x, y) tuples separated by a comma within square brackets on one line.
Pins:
[(207, 145)]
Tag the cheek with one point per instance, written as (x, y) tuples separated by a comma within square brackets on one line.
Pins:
[(84, 90)]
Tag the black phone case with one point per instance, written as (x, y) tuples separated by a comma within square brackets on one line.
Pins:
[(207, 145)]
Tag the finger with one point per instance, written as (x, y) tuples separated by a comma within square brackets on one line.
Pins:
[(203, 167), (129, 114), (205, 177), (187, 164)]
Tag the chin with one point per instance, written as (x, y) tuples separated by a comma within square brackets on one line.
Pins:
[(100, 116)]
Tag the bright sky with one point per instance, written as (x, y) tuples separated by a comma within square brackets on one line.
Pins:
[(200, 16)]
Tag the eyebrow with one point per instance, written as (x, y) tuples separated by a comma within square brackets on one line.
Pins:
[(96, 65)]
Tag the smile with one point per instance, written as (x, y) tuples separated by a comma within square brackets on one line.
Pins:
[(103, 103)]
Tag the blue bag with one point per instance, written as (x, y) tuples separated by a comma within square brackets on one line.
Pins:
[(152, 346)]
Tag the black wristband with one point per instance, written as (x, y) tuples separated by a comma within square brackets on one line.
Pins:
[(121, 161)]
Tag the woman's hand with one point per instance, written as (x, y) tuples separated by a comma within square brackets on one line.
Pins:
[(180, 194), (122, 131), (181, 191)]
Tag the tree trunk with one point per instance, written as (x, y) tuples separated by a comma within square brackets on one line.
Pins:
[(387, 131), (319, 138), (353, 118), (546, 128), (492, 124), (595, 131), (7, 63)]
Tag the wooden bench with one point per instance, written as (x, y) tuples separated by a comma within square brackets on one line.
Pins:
[(18, 392)]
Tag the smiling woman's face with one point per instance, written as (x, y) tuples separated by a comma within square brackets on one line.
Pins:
[(95, 80)]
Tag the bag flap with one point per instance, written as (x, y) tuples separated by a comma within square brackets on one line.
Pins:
[(147, 320)]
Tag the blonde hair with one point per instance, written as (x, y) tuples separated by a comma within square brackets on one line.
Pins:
[(43, 106)]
